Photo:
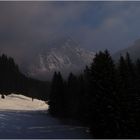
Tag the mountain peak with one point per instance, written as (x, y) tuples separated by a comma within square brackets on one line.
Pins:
[(64, 55)]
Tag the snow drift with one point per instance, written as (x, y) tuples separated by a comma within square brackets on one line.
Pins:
[(21, 102)]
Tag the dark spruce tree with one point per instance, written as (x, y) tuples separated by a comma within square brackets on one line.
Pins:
[(137, 116), (9, 73), (88, 89), (127, 93), (82, 99), (57, 96), (72, 96), (104, 116)]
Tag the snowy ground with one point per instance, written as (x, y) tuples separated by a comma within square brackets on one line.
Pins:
[(20, 102), (28, 120)]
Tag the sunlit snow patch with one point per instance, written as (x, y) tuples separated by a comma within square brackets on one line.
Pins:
[(21, 102)]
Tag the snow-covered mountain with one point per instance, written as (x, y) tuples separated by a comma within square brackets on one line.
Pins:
[(64, 55)]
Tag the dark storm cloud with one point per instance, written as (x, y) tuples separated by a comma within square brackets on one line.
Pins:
[(117, 29), (24, 26), (27, 26)]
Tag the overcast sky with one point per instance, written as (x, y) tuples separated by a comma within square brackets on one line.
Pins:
[(26, 26)]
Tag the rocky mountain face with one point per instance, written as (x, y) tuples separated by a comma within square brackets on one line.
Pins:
[(63, 55), (133, 50)]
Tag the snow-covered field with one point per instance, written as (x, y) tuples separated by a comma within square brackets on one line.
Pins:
[(21, 102), (20, 117)]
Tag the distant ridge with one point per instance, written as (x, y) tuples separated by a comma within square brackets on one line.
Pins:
[(133, 50)]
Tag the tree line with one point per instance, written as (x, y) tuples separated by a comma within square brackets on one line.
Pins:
[(105, 97), (12, 80)]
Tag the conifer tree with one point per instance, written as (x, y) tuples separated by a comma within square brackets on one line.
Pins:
[(72, 95), (127, 93), (103, 97), (82, 98), (56, 99)]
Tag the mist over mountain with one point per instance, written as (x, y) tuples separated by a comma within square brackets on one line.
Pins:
[(133, 50), (64, 55)]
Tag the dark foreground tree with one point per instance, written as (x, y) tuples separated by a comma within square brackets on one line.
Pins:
[(104, 112), (72, 96), (57, 96), (127, 94)]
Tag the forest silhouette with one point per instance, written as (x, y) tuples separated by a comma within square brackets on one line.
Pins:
[(12, 80), (105, 97)]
